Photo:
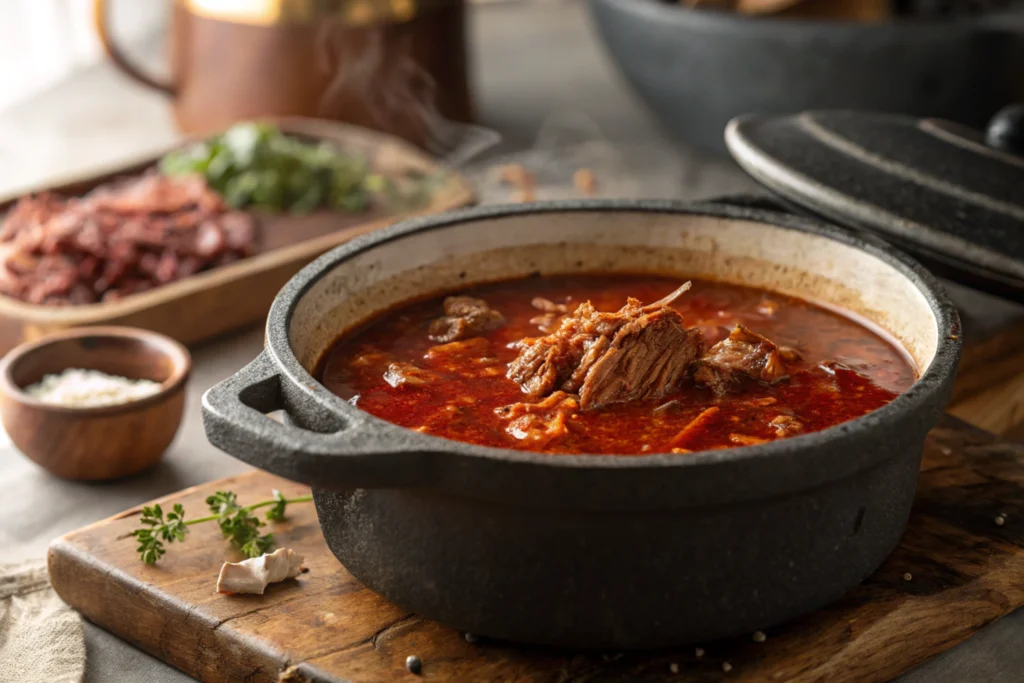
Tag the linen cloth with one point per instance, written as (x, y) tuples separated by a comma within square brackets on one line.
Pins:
[(41, 638)]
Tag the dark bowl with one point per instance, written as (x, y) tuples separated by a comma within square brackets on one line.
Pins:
[(595, 551), (698, 69)]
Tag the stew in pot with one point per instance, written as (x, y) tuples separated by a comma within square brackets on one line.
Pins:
[(616, 365)]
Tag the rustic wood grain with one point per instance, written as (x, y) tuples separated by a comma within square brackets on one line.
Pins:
[(232, 296), (989, 389), (989, 361), (965, 572), (998, 408)]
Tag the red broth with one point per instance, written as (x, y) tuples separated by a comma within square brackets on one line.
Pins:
[(845, 370)]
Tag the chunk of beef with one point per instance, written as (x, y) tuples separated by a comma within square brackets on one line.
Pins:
[(464, 317), (551, 313), (648, 358), (402, 374), (542, 422), (638, 352), (743, 355)]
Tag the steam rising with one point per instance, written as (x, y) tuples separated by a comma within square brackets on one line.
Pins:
[(392, 92), (570, 140), (380, 84)]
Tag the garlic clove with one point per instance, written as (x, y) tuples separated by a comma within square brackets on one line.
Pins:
[(253, 575)]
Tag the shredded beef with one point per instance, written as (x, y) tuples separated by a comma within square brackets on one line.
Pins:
[(464, 317), (648, 358), (551, 313), (743, 355), (548, 306), (638, 352), (122, 238), (452, 352), (469, 358), (540, 423)]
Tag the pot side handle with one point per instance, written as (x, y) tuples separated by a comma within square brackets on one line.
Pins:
[(333, 453)]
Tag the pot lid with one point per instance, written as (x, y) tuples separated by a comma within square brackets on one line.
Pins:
[(951, 196)]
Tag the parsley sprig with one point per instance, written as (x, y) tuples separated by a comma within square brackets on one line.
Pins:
[(257, 165), (237, 523)]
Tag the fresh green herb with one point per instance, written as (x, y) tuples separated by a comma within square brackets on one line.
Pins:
[(155, 530), (276, 513), (237, 523), (256, 165)]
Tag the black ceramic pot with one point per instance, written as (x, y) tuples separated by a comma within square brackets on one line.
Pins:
[(698, 69), (595, 551)]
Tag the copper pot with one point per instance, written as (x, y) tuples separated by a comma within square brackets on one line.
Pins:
[(398, 66)]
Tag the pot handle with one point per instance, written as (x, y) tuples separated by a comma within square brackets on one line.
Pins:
[(328, 452), (101, 23)]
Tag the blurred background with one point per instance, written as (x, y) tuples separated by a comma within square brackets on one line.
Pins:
[(642, 73), (42, 42)]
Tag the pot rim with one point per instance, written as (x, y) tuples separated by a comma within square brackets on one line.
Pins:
[(919, 399), (724, 21)]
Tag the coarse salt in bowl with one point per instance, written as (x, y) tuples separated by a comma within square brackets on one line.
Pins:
[(94, 403), (75, 388)]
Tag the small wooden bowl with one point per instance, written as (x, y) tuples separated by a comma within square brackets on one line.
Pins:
[(100, 443)]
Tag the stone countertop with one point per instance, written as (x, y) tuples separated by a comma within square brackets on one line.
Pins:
[(558, 104)]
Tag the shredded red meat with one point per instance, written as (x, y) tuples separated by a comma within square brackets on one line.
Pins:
[(638, 352), (120, 239), (540, 423)]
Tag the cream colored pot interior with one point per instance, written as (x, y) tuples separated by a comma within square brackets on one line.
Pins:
[(443, 259)]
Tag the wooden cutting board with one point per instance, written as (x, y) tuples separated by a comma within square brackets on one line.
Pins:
[(989, 389), (964, 571)]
